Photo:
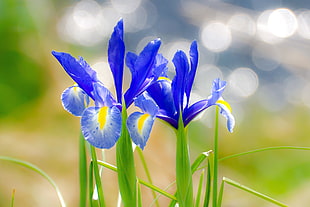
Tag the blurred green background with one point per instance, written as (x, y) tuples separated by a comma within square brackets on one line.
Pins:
[(260, 47)]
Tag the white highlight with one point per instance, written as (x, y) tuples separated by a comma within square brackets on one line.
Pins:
[(282, 23), (216, 36)]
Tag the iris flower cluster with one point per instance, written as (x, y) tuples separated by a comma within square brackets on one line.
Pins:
[(150, 89)]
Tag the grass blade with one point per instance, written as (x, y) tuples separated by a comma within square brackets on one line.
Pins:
[(147, 172), (39, 171), (13, 198), (249, 190), (199, 188), (97, 176), (264, 149), (83, 171)]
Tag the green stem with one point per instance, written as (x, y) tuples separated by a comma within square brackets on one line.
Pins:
[(215, 161), (97, 176), (183, 168), (13, 198), (83, 171), (147, 172), (149, 185), (264, 149), (125, 164)]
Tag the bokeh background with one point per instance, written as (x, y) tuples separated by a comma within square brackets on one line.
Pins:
[(260, 47)]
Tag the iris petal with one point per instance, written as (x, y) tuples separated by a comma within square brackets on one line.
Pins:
[(101, 127), (139, 126), (226, 112), (146, 104), (74, 100), (141, 69), (78, 70), (178, 84), (116, 54), (193, 53)]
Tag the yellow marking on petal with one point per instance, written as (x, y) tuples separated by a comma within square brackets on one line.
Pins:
[(225, 103), (102, 116), (141, 121), (164, 78)]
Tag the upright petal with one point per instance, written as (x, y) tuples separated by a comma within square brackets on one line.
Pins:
[(178, 84), (193, 53), (142, 69), (139, 127), (78, 70), (103, 96), (116, 54), (74, 100), (101, 127), (160, 67)]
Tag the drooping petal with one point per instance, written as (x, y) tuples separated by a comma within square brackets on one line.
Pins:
[(141, 70), (116, 54), (77, 70), (193, 53), (226, 112), (74, 100), (139, 127), (191, 112), (101, 127), (178, 84)]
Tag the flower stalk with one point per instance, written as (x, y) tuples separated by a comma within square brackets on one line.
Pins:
[(183, 168), (125, 165)]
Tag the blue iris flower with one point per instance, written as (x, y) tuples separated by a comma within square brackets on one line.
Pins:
[(101, 124), (171, 98)]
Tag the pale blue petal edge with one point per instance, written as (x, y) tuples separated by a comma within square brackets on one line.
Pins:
[(106, 137), (74, 100), (139, 138)]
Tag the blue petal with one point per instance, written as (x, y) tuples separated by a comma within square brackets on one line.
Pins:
[(146, 104), (79, 71), (160, 67), (103, 96), (178, 84), (139, 127), (131, 58), (193, 53), (116, 54), (161, 93), (74, 100), (101, 127), (191, 112), (142, 70)]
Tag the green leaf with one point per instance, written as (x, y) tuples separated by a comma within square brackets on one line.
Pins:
[(125, 165), (83, 171), (183, 168), (97, 176)]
